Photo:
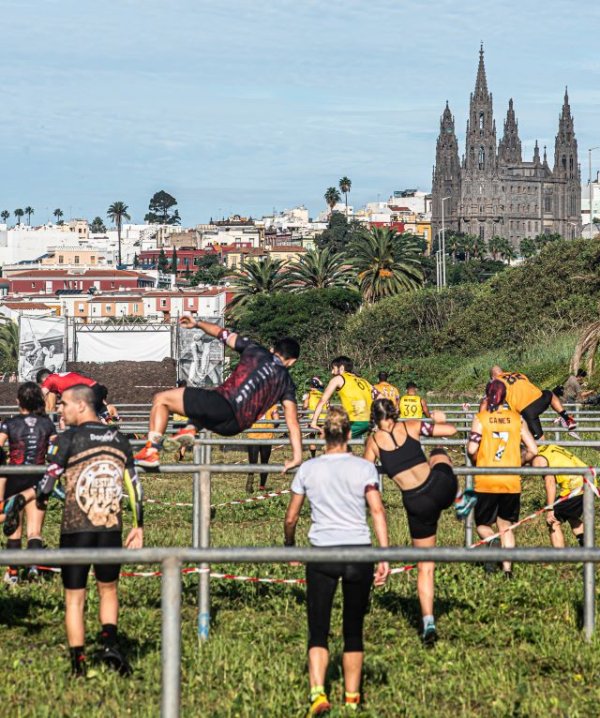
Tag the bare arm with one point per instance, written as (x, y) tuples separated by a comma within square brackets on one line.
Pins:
[(425, 409), (530, 445), (290, 412), (336, 383), (3, 438), (473, 446), (213, 330), (291, 519), (380, 527), (371, 453), (50, 398)]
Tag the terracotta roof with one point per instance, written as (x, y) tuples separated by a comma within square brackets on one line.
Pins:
[(115, 297), (57, 273), (24, 305), (212, 292), (288, 248)]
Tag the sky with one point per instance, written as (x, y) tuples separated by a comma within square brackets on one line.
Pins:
[(245, 106)]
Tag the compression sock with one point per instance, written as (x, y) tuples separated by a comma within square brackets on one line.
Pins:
[(316, 691), (14, 544), (34, 543), (563, 414), (352, 700), (580, 539), (108, 635), (155, 439), (428, 621), (77, 660)]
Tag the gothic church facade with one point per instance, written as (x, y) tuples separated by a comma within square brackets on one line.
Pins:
[(492, 191)]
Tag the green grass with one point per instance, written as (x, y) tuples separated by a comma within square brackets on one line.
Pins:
[(506, 648)]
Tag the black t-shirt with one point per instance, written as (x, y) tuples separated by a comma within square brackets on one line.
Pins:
[(96, 465), (258, 382), (28, 437)]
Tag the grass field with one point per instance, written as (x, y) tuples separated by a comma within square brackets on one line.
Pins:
[(506, 648)]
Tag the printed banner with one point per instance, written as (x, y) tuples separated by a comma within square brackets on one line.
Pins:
[(95, 344), (199, 357), (41, 345)]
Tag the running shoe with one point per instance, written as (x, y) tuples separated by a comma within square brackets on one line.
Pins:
[(352, 703), (148, 457), (33, 574), (12, 514), (492, 566), (113, 658), (250, 485), (464, 503), (184, 437), (429, 636), (320, 706), (568, 423), (11, 577)]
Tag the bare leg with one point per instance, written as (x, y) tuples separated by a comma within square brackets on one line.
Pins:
[(35, 521), (318, 660), (507, 539), (109, 602), (556, 404), (163, 404), (74, 622), (352, 663), (425, 577), (557, 538)]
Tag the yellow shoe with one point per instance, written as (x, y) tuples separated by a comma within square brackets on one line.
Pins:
[(319, 706)]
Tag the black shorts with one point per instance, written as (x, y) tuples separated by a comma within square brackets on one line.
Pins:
[(16, 484), (489, 507), (571, 509), (425, 504), (207, 409), (531, 413), (99, 391), (74, 577)]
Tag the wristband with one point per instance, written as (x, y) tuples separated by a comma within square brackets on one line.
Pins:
[(223, 335), (475, 437), (426, 429)]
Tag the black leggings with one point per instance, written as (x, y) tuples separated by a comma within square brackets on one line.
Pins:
[(265, 454), (321, 583)]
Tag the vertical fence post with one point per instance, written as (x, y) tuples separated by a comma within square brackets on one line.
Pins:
[(589, 572), (171, 638), (204, 580), (469, 519), (197, 458)]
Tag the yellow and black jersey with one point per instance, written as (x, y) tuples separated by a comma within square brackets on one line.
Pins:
[(96, 466), (411, 406), (558, 458), (520, 392), (388, 391), (500, 446), (356, 396)]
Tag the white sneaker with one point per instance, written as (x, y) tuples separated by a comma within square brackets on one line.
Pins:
[(11, 577)]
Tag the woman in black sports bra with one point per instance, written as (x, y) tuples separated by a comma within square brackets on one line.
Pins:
[(428, 487)]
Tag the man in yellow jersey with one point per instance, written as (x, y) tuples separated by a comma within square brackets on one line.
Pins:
[(261, 451), (387, 390), (495, 441), (412, 406), (571, 510), (310, 401), (530, 401), (356, 395)]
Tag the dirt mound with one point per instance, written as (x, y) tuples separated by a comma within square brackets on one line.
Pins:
[(128, 382)]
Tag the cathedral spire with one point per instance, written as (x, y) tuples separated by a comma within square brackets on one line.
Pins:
[(509, 148), (536, 153), (565, 146), (481, 88)]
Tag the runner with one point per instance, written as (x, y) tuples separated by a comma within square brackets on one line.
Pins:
[(110, 411), (28, 435), (570, 510), (339, 486), (310, 401), (356, 395), (97, 465), (495, 441), (428, 487), (387, 390), (263, 451), (530, 401), (412, 406), (53, 385), (260, 380)]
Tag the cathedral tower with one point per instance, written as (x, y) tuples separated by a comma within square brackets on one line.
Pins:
[(567, 197), (509, 147), (446, 175)]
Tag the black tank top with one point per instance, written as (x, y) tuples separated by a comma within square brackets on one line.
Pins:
[(403, 457)]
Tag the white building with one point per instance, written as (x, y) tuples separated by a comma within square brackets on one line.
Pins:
[(593, 230), (418, 202)]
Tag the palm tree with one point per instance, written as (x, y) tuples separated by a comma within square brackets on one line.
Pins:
[(257, 276), (58, 213), (507, 251), (386, 262), (5, 214), (9, 346), (332, 197), (345, 187), (495, 246), (18, 214), (528, 247), (29, 211), (117, 212), (318, 269), (454, 243)]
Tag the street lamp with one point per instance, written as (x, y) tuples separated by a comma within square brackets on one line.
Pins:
[(590, 179)]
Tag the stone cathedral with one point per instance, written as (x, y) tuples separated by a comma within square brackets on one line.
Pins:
[(492, 190)]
